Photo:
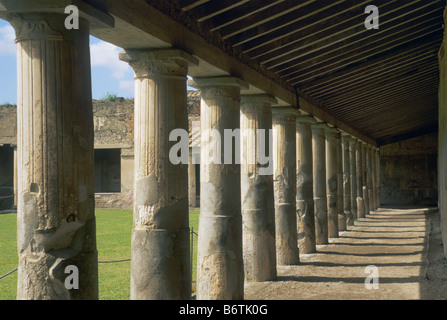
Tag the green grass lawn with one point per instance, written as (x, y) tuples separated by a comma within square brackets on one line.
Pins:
[(113, 235)]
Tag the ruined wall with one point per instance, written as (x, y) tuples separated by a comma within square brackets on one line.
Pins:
[(442, 139), (408, 172), (8, 124), (114, 129), (8, 131), (113, 124)]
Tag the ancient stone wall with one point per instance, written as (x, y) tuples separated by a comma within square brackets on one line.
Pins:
[(113, 124), (114, 129), (113, 121), (442, 139), (8, 124), (408, 172)]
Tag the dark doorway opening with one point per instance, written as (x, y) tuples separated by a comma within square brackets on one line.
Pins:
[(107, 170)]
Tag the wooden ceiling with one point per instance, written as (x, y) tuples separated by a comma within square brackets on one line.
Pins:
[(383, 83)]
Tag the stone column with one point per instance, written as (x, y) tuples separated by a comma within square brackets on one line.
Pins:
[(378, 185), (319, 186), (220, 272), (331, 181), (372, 197), (368, 195), (365, 165), (340, 195), (192, 196), (15, 179), (55, 217), (346, 139), (160, 266), (304, 188), (258, 211), (353, 179), (359, 172), (284, 177)]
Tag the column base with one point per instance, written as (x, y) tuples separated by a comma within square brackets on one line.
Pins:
[(220, 272), (258, 245), (155, 250)]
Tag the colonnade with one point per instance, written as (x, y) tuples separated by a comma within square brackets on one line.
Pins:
[(322, 179)]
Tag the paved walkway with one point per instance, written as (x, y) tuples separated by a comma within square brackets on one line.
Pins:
[(393, 240)]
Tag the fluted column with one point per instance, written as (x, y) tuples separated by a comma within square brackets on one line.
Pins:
[(346, 139), (340, 195), (220, 273), (331, 181), (319, 186), (365, 164), (353, 179), (284, 177), (359, 172), (304, 188), (258, 211), (367, 184), (160, 267), (372, 166), (192, 195), (377, 151), (55, 218), (15, 178)]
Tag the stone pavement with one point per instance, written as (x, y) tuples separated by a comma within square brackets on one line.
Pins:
[(393, 240)]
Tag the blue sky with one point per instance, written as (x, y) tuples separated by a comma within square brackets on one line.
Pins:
[(109, 74)]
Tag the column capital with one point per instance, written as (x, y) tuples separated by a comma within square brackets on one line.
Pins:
[(281, 114), (33, 27), (319, 125), (258, 99), (222, 81), (97, 18), (300, 119), (347, 136), (166, 62), (352, 140), (254, 102), (332, 131), (211, 87)]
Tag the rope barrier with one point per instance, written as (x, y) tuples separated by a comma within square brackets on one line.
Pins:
[(109, 261), (113, 261), (7, 274)]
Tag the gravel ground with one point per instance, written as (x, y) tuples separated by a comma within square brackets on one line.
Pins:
[(403, 246)]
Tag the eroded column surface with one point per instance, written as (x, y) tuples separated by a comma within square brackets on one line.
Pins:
[(372, 166), (304, 187), (284, 177), (220, 273), (359, 172), (374, 178), (55, 218), (367, 178), (192, 195), (331, 181), (377, 151), (319, 185), (258, 211), (353, 179), (160, 267), (346, 139), (340, 195), (15, 178)]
